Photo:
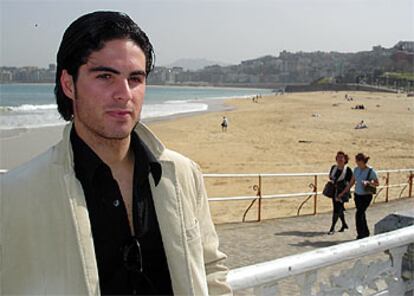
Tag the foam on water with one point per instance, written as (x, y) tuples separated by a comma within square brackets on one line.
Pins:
[(32, 116), (28, 107), (32, 105)]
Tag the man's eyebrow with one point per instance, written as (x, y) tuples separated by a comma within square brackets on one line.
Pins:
[(104, 69), (138, 72), (112, 70)]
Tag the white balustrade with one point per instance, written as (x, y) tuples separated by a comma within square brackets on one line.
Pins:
[(377, 277)]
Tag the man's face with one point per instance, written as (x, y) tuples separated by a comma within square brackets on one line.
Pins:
[(109, 91)]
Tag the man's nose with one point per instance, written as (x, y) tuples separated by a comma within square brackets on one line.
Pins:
[(123, 90)]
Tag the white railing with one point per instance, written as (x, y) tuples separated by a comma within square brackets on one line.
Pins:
[(391, 276), (259, 195)]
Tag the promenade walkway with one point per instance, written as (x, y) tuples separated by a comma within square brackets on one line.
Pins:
[(249, 243)]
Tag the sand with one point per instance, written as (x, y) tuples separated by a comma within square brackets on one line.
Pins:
[(290, 133)]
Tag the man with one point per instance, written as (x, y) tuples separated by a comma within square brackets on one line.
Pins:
[(108, 209)]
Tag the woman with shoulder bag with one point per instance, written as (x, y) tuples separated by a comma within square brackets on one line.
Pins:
[(365, 180), (340, 176)]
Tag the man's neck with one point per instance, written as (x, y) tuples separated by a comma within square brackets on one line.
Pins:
[(113, 152)]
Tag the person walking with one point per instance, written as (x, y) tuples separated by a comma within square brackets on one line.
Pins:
[(340, 175), (366, 180)]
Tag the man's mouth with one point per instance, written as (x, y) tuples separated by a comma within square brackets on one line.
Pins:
[(119, 113)]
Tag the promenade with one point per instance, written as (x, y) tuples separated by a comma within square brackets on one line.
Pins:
[(250, 243)]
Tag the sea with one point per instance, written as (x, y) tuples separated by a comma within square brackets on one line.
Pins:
[(33, 105)]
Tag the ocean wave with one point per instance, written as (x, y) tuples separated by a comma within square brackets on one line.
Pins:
[(176, 101), (222, 98), (34, 116), (163, 110), (29, 107)]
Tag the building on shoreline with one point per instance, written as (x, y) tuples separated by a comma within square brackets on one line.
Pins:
[(368, 67)]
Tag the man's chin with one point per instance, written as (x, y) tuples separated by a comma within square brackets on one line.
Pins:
[(117, 134)]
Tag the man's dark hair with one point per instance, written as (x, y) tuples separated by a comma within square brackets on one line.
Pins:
[(87, 34)]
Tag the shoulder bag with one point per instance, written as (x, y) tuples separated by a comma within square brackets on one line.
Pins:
[(368, 186)]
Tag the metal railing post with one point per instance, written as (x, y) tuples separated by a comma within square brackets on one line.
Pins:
[(315, 197), (259, 211), (387, 182)]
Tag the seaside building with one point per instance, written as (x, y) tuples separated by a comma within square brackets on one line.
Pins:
[(268, 71)]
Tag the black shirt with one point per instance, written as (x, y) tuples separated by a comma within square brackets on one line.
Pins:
[(110, 227), (348, 174), (341, 185)]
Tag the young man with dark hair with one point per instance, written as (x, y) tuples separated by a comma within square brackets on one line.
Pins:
[(109, 209)]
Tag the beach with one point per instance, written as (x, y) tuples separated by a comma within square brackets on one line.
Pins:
[(288, 133)]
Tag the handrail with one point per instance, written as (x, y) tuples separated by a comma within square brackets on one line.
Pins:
[(239, 175), (260, 196), (287, 195), (272, 271)]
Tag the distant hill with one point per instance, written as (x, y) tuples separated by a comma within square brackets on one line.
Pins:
[(388, 67), (194, 64)]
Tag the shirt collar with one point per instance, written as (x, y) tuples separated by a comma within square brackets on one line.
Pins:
[(145, 157), (87, 160)]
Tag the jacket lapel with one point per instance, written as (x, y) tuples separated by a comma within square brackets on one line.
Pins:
[(83, 230), (79, 212), (168, 208)]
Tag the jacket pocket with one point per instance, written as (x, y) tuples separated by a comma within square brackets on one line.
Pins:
[(193, 233), (196, 259)]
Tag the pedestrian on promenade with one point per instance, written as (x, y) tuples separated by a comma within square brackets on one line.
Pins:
[(366, 180), (340, 175)]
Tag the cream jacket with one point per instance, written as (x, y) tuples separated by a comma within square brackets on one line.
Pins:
[(46, 244)]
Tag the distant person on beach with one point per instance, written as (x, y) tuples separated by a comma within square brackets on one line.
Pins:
[(359, 107), (109, 209), (224, 124), (348, 98), (365, 180), (361, 125), (340, 175)]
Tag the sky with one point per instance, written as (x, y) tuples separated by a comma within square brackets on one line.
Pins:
[(227, 31)]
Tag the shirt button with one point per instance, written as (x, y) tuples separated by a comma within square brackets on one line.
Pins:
[(116, 203)]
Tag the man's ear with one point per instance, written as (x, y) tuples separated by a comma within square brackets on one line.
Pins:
[(68, 85)]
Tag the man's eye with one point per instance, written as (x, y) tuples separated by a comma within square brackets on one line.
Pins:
[(136, 79), (104, 76)]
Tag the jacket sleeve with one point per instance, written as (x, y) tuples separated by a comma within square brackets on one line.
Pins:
[(214, 259)]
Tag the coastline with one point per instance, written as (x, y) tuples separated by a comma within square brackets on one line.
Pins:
[(216, 105), (33, 106), (13, 142), (290, 133)]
